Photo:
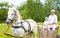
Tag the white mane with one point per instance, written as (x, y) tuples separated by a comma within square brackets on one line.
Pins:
[(18, 16)]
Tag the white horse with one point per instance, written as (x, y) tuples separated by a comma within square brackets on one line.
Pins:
[(20, 27)]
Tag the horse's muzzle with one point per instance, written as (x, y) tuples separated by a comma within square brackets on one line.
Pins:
[(8, 21)]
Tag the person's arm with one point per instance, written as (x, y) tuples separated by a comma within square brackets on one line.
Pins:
[(49, 21), (45, 23), (55, 20)]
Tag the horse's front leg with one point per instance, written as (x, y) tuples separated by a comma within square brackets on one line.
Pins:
[(30, 35), (34, 34)]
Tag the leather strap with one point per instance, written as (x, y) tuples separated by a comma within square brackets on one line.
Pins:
[(29, 27)]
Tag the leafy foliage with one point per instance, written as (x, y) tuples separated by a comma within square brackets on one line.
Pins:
[(33, 9), (38, 11), (3, 11)]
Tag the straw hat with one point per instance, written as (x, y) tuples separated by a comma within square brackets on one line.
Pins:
[(53, 11)]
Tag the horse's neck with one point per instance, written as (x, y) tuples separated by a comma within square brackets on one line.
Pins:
[(19, 20)]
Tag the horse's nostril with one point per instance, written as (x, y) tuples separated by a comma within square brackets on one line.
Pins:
[(7, 22)]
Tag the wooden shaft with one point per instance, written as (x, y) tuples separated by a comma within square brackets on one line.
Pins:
[(12, 34), (15, 35)]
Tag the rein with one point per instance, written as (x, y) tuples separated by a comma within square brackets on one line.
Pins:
[(7, 29), (8, 33), (11, 34), (29, 28)]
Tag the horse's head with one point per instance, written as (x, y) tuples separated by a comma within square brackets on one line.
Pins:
[(11, 15)]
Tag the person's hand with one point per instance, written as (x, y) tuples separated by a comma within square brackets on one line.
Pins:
[(54, 22), (50, 24)]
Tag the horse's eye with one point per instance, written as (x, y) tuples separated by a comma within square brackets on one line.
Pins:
[(12, 13)]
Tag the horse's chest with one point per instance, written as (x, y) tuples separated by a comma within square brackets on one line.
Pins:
[(18, 31), (26, 25)]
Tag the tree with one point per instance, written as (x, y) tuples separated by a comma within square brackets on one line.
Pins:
[(34, 9), (53, 4), (3, 11)]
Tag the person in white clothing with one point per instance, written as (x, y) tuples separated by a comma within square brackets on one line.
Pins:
[(46, 22), (53, 20), (44, 25)]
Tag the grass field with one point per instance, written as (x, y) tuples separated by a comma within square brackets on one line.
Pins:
[(3, 27)]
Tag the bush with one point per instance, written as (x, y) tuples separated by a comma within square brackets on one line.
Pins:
[(3, 15)]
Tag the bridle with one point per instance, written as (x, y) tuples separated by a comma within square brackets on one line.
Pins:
[(13, 17)]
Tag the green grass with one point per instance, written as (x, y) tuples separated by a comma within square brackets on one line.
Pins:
[(3, 27)]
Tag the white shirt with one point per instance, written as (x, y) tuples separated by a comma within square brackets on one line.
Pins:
[(52, 18), (46, 22)]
